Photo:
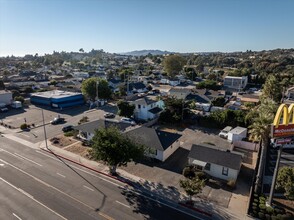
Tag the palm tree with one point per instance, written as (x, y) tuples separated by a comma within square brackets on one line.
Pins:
[(260, 129)]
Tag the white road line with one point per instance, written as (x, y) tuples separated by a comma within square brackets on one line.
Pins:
[(28, 159), (123, 204), (88, 188), (50, 186), (31, 197), (15, 215), (106, 180), (60, 175)]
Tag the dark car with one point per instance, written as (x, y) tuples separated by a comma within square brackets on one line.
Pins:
[(56, 121), (67, 128), (109, 115)]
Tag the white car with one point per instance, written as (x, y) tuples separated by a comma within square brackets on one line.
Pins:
[(128, 120)]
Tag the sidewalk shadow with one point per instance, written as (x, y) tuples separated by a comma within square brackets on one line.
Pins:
[(82, 177)]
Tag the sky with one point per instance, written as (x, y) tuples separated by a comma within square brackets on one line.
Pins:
[(44, 26)]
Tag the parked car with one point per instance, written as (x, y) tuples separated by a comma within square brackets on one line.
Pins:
[(67, 128), (56, 121), (3, 109), (109, 115), (128, 120)]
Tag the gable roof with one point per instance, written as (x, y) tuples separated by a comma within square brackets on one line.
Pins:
[(146, 100), (153, 138), (90, 127), (155, 110), (114, 81), (137, 86), (215, 156), (198, 98)]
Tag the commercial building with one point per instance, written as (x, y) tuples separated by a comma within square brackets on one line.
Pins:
[(57, 99), (236, 82)]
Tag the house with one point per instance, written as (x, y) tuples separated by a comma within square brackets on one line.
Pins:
[(162, 144), (147, 107), (6, 97), (80, 75), (174, 82), (237, 134), (236, 82), (114, 84), (179, 92), (87, 130), (137, 87), (216, 163)]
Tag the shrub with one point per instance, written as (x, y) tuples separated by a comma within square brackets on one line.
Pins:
[(262, 206), (267, 216), (231, 183), (269, 210), (254, 203), (261, 215), (69, 134), (23, 126), (201, 175), (189, 172), (255, 200)]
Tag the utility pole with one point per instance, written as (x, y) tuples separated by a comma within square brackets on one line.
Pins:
[(270, 200), (97, 85), (45, 134)]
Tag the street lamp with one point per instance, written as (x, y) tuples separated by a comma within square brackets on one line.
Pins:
[(45, 134)]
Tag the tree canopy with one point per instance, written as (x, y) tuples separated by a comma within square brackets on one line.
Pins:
[(192, 186), (173, 64), (115, 149), (89, 88), (125, 109), (272, 89)]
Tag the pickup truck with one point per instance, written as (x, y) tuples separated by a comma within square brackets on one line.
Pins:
[(56, 121)]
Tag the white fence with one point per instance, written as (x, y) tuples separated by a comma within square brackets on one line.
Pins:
[(246, 145)]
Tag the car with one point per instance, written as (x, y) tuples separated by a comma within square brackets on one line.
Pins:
[(56, 121), (3, 109), (128, 120), (67, 128), (109, 115)]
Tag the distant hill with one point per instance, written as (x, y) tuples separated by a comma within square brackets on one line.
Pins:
[(146, 52)]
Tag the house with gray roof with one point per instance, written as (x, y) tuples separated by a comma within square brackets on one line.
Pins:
[(215, 162), (162, 144), (87, 130)]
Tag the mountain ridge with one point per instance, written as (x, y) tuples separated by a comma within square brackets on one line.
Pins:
[(146, 52)]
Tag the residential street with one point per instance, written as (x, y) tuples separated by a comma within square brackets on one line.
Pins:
[(31, 179)]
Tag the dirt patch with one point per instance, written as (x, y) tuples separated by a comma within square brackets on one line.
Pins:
[(62, 141), (79, 149)]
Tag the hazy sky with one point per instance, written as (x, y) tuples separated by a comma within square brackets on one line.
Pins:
[(41, 26)]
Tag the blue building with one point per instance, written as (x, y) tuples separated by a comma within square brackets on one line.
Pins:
[(57, 99)]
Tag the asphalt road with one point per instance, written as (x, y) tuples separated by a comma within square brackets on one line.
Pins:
[(37, 185)]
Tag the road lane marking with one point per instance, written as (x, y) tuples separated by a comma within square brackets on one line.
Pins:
[(15, 215), (105, 216), (31, 197), (50, 186), (25, 158), (88, 188), (106, 180), (60, 175), (123, 204), (2, 164)]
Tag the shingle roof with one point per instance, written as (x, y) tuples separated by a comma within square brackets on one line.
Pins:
[(215, 156), (198, 98), (90, 127), (150, 137), (138, 85), (146, 100)]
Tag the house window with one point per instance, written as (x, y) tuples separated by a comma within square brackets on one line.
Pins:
[(139, 106), (225, 171), (207, 167), (197, 167), (143, 106)]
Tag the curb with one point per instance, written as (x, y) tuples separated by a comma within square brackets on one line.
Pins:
[(90, 168), (196, 209)]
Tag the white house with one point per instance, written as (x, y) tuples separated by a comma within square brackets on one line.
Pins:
[(236, 82), (162, 144), (147, 107), (216, 163), (87, 130), (5, 97), (237, 134)]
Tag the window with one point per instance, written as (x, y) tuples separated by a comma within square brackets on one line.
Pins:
[(207, 167), (225, 171), (139, 106)]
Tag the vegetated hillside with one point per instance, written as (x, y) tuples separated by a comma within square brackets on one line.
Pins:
[(146, 52)]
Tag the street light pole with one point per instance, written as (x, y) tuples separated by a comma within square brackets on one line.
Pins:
[(270, 200), (45, 134)]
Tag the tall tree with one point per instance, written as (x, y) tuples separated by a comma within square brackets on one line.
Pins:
[(192, 186), (114, 148), (89, 88), (272, 89), (125, 109), (173, 64)]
